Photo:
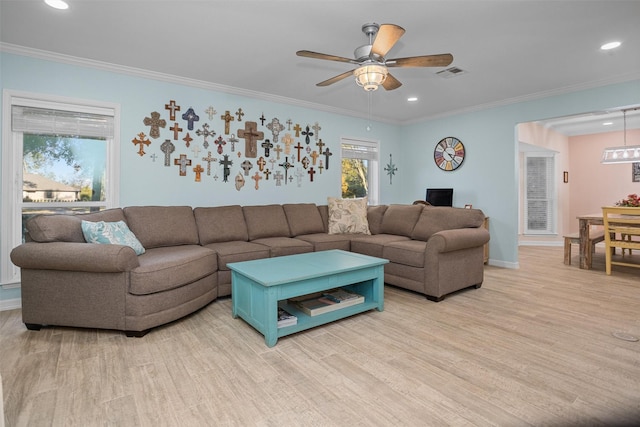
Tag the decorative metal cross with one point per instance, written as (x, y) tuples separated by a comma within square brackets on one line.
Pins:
[(320, 167), (307, 135), (220, 143), (211, 112), (266, 174), (141, 140), (327, 154), (227, 117), (320, 144), (297, 128), (305, 162), (176, 130), (209, 159), (275, 127), (299, 174), (317, 128), (239, 113), (167, 148), (311, 173), (182, 162), (391, 169), (289, 123), (278, 177), (261, 162), (155, 122), (251, 137), (190, 116), (232, 139), (286, 165), (154, 156), (267, 145), (246, 166), (226, 167), (298, 147), (262, 119), (205, 132), (187, 140), (196, 150), (278, 150), (172, 107), (198, 170), (256, 178)]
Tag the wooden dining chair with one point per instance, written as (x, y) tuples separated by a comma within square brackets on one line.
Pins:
[(624, 222)]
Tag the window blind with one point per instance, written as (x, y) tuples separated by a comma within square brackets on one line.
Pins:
[(540, 199), (359, 150), (46, 121)]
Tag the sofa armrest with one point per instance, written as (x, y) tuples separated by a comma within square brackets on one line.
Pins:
[(70, 256), (460, 238)]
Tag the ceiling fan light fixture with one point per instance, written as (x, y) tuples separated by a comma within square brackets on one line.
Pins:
[(369, 77)]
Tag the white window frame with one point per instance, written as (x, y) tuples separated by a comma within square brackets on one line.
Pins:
[(552, 194), (371, 152), (11, 202)]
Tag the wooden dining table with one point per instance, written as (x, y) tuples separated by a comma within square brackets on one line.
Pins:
[(585, 223)]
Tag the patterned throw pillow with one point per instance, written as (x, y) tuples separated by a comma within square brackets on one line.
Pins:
[(115, 233), (348, 216)]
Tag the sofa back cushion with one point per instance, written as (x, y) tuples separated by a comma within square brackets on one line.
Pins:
[(438, 218), (374, 217), (400, 219), (67, 228), (324, 214), (303, 218), (221, 224), (266, 221), (159, 226)]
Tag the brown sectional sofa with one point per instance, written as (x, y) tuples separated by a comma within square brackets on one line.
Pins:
[(68, 282)]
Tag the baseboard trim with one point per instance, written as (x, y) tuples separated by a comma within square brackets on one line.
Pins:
[(10, 304)]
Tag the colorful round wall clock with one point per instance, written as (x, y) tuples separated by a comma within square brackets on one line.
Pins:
[(449, 153)]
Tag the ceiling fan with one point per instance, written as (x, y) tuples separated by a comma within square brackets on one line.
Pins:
[(370, 58)]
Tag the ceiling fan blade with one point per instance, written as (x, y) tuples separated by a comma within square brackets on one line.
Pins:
[(387, 36), (316, 55), (441, 60), (391, 83), (337, 78)]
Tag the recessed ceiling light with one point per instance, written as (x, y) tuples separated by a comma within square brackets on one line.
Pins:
[(57, 4), (607, 123), (412, 99), (610, 45)]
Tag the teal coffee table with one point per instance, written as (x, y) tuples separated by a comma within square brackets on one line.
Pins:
[(258, 287)]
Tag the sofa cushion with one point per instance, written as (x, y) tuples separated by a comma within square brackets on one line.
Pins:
[(266, 221), (400, 219), (67, 228), (303, 218), (406, 252), (348, 216), (237, 251), (325, 241), (324, 213), (373, 245), (374, 217), (167, 268), (221, 224), (159, 226), (280, 246), (113, 233), (438, 218)]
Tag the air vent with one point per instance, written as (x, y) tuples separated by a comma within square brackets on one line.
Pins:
[(451, 72)]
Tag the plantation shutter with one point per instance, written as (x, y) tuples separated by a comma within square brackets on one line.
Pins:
[(540, 194)]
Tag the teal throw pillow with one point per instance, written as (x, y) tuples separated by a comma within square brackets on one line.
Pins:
[(114, 233)]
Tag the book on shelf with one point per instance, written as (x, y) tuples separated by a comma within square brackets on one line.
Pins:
[(285, 318), (325, 302)]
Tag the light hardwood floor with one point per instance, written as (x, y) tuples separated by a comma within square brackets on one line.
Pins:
[(533, 346)]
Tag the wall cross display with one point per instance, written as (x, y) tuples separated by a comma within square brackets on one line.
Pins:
[(167, 148), (182, 162), (251, 137), (391, 169), (317, 128), (327, 154), (176, 130), (239, 113), (232, 139), (211, 112), (246, 166), (198, 170), (155, 123), (190, 116), (187, 140), (288, 142), (226, 167), (256, 178), (297, 128), (172, 107), (278, 150), (266, 174), (275, 127), (261, 162), (286, 165), (314, 156), (209, 159), (262, 119), (267, 145), (289, 123), (220, 143), (141, 140), (307, 135), (278, 177), (298, 147), (311, 173), (227, 117), (320, 144), (196, 150)]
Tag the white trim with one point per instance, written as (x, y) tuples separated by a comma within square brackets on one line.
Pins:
[(10, 304)]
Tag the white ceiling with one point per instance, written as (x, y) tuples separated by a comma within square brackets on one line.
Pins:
[(511, 50)]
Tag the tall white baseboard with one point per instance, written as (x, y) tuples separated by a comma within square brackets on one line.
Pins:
[(10, 304)]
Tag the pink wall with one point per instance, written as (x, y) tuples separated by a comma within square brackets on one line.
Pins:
[(592, 184)]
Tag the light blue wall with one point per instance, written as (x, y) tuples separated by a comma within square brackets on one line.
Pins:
[(488, 178)]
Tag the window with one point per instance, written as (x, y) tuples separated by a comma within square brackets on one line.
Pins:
[(57, 157), (540, 189), (360, 174)]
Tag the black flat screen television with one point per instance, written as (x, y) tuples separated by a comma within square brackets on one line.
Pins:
[(440, 196)]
